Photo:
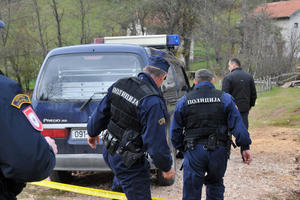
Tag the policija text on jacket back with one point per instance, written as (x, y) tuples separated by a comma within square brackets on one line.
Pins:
[(200, 126), (135, 115), (26, 155)]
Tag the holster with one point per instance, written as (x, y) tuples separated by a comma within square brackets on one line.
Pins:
[(131, 147)]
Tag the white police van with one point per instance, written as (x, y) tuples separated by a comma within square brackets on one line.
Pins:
[(73, 80)]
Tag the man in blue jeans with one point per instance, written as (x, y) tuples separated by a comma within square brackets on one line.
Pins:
[(200, 127)]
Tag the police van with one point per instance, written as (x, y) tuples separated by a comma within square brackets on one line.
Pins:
[(73, 80)]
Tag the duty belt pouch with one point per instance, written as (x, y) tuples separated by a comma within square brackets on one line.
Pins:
[(189, 144), (129, 158), (211, 142), (111, 143)]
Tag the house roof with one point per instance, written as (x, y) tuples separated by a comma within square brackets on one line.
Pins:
[(281, 9)]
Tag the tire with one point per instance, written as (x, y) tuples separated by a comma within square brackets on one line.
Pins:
[(61, 176), (161, 181)]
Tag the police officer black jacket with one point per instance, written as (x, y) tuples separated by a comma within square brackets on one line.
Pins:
[(211, 121), (25, 154), (241, 86)]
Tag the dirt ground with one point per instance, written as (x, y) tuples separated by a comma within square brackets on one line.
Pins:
[(274, 173)]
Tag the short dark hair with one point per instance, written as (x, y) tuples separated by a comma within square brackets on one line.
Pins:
[(203, 75), (236, 61), (156, 72)]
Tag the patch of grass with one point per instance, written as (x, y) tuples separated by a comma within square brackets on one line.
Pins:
[(197, 65), (40, 193), (277, 107)]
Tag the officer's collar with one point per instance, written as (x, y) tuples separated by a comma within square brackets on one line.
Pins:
[(204, 83), (147, 78)]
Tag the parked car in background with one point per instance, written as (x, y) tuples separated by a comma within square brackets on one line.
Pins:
[(73, 80)]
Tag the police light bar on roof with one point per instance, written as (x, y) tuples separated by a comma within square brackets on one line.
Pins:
[(144, 40)]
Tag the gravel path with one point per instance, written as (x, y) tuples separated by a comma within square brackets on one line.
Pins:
[(274, 173)]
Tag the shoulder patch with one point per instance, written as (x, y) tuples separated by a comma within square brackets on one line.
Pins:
[(33, 118), (162, 121), (19, 100)]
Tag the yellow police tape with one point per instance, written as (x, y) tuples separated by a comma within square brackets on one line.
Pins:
[(84, 190)]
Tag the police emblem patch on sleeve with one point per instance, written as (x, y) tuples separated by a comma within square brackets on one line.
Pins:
[(19, 100), (33, 118), (162, 121)]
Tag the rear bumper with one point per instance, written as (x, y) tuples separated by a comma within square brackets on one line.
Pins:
[(80, 162)]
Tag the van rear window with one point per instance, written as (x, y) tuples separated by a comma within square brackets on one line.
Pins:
[(76, 77)]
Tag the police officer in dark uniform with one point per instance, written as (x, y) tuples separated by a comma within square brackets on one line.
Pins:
[(132, 118), (200, 127), (25, 154)]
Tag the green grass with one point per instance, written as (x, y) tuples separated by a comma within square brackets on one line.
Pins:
[(197, 65), (277, 107)]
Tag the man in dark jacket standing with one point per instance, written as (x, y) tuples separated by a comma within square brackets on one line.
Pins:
[(241, 86)]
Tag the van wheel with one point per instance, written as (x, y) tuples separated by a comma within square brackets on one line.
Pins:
[(162, 181), (61, 176)]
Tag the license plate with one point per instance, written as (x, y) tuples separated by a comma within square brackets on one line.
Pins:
[(79, 134)]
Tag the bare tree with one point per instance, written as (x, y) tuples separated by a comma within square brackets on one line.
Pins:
[(58, 18), (293, 48), (5, 13), (175, 16), (38, 17), (262, 47), (83, 9)]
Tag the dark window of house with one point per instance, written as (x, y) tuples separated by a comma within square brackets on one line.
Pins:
[(295, 25)]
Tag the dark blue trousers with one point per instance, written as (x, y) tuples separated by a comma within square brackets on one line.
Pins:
[(204, 167), (134, 181)]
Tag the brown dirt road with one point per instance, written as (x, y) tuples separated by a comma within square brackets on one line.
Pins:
[(274, 173)]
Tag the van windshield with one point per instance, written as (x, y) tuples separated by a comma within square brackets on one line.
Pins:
[(82, 75)]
